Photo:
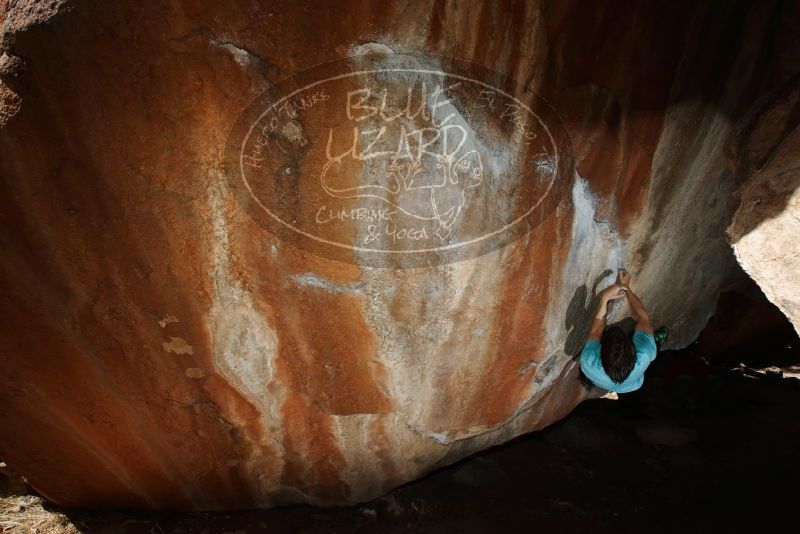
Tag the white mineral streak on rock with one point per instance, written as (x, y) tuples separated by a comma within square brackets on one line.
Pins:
[(595, 248), (241, 56), (244, 345), (167, 320), (453, 302), (177, 345), (415, 312), (503, 153), (369, 48), (313, 280), (594, 254), (472, 299), (398, 453)]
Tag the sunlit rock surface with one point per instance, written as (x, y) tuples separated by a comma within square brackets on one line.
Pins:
[(766, 227), (162, 346)]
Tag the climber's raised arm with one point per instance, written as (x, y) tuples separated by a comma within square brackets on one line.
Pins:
[(611, 358), (599, 322), (637, 308)]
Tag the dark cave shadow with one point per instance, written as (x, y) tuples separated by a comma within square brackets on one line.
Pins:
[(751, 163), (703, 77)]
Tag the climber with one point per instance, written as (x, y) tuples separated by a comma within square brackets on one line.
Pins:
[(611, 359)]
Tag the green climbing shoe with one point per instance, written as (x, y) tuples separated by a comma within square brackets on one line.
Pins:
[(661, 335)]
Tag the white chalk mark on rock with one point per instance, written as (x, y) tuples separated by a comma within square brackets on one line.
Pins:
[(167, 320), (177, 345)]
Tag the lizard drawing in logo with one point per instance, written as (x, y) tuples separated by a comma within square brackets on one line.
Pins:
[(426, 173)]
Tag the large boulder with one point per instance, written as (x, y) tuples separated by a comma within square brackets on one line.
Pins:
[(199, 309), (766, 227)]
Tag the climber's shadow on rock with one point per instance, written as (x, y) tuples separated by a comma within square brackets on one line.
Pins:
[(579, 315)]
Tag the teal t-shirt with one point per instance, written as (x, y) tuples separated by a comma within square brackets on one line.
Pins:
[(645, 345)]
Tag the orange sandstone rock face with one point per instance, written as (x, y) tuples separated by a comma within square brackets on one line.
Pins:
[(278, 252)]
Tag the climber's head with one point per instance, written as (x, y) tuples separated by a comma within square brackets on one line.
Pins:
[(616, 353)]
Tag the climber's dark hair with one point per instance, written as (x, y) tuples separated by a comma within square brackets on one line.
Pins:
[(616, 353)]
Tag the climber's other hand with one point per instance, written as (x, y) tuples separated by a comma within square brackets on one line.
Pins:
[(613, 292)]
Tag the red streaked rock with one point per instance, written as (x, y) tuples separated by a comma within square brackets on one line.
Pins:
[(161, 348)]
